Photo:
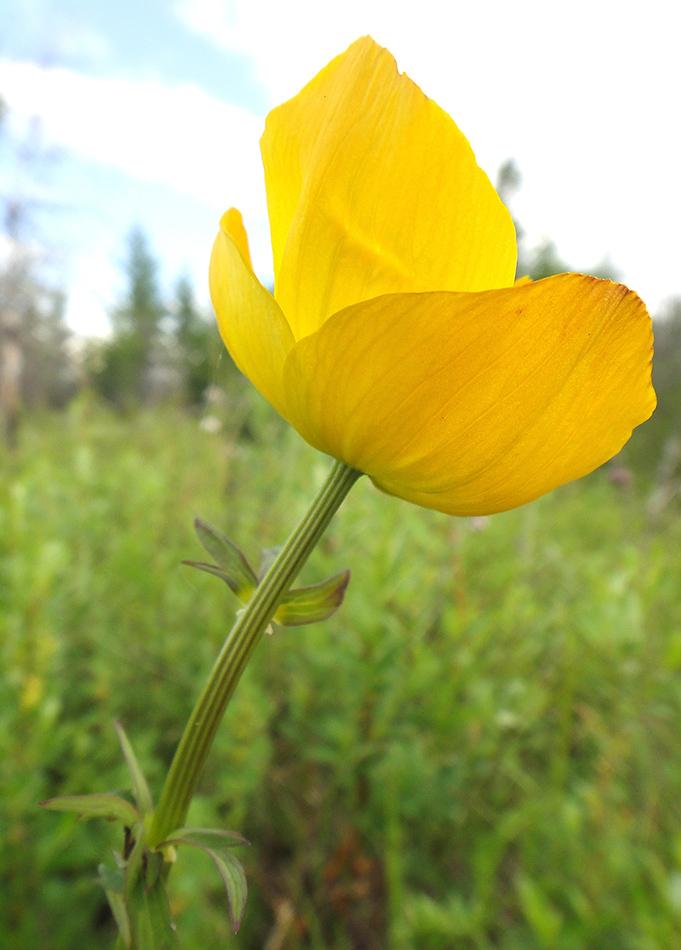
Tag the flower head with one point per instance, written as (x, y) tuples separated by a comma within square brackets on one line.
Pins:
[(396, 339)]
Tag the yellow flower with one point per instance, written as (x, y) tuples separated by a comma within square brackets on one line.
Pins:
[(396, 340)]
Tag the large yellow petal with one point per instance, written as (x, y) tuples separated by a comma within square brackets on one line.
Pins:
[(372, 189), (252, 326), (476, 403)]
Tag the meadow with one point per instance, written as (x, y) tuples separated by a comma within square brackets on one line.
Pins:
[(481, 749)]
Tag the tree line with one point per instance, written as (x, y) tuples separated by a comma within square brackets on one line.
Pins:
[(158, 349)]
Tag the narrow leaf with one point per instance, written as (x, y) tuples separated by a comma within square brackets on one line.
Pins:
[(103, 805), (235, 569), (216, 844), (312, 604), (112, 881), (206, 838), (234, 878), (142, 793), (224, 575), (150, 916)]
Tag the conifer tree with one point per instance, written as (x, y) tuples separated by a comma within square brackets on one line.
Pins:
[(126, 365)]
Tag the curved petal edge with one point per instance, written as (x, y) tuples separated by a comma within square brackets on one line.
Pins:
[(251, 323), (473, 403)]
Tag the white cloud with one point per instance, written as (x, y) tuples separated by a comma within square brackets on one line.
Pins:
[(179, 136)]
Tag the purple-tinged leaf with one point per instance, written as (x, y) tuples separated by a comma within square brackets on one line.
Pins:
[(216, 845), (312, 604), (234, 568)]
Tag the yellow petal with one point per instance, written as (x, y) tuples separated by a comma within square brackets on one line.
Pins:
[(372, 189), (233, 224), (476, 403), (252, 326)]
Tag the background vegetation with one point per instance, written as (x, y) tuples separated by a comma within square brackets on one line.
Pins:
[(480, 750)]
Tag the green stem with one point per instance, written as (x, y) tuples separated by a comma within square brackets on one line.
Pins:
[(243, 638)]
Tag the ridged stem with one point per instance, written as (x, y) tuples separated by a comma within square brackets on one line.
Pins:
[(196, 741)]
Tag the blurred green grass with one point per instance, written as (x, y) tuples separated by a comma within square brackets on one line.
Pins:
[(480, 750)]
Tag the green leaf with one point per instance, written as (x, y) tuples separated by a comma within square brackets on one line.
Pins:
[(207, 838), (312, 604), (103, 805), (220, 572), (142, 793), (150, 915), (233, 568), (216, 843), (113, 881), (234, 878)]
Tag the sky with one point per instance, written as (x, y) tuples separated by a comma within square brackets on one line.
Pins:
[(148, 113)]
